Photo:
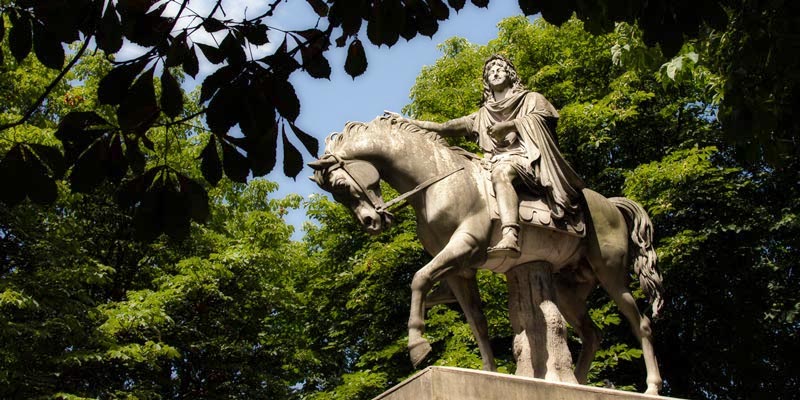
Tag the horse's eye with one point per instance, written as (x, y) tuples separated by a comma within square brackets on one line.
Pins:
[(339, 184)]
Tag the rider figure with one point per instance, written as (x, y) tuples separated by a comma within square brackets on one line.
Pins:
[(515, 128)]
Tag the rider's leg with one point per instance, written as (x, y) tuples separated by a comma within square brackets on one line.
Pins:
[(503, 175)]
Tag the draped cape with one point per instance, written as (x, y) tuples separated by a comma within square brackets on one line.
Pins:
[(535, 121)]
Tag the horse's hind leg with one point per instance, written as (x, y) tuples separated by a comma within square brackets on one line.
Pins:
[(614, 280), (571, 296), (465, 288)]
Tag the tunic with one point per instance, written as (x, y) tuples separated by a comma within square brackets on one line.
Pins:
[(532, 148)]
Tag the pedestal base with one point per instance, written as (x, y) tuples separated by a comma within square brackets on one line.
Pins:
[(446, 383)]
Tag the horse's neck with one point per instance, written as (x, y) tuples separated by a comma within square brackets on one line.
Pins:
[(402, 158)]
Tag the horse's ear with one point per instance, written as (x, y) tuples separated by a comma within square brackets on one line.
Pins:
[(322, 163), (317, 178)]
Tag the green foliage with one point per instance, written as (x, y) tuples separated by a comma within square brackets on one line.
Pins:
[(636, 123)]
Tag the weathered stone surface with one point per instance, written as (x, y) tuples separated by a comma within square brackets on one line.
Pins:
[(446, 383), (456, 224)]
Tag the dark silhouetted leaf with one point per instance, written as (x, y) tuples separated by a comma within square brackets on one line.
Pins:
[(175, 212), (255, 33), (234, 163), (224, 110), (319, 7), (555, 12), (78, 130), (190, 64), (529, 7), (197, 198), (88, 171), (261, 150), (439, 10), (64, 19), (409, 30), (47, 48), (134, 154), (426, 23), (210, 165), (117, 164), (212, 24), (213, 82), (20, 38), (459, 4), (292, 159), (177, 52), (52, 158), (149, 29), (113, 88), (481, 3), (311, 144), (41, 187), (258, 113), (233, 50), (356, 62), (281, 63), (109, 33), (171, 94), (285, 99), (132, 191), (146, 220), (317, 66), (13, 176), (212, 54), (139, 108)]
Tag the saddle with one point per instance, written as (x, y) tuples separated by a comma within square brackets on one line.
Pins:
[(534, 210)]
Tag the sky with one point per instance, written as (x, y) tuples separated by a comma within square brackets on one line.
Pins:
[(326, 105)]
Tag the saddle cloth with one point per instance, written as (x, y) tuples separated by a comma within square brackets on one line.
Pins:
[(533, 210)]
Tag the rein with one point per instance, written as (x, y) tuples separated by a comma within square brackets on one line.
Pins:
[(419, 188), (376, 202)]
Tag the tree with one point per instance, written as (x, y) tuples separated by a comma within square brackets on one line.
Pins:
[(639, 124), (88, 310), (252, 91)]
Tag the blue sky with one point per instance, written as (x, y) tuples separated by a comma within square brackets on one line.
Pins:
[(328, 105)]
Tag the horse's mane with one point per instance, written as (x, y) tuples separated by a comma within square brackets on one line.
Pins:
[(386, 122)]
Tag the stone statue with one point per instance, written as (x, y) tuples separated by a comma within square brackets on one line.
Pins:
[(451, 196), (516, 129)]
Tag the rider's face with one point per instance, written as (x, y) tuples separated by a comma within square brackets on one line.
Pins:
[(497, 76)]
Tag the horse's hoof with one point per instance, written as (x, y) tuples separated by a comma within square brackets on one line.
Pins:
[(652, 391), (418, 351)]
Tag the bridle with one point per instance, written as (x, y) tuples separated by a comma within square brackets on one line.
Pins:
[(382, 208)]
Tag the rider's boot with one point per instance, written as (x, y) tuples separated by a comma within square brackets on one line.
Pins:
[(507, 205), (508, 245)]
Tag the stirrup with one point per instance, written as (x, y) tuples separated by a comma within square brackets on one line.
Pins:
[(508, 246)]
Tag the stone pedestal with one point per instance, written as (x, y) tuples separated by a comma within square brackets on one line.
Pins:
[(446, 383), (540, 341)]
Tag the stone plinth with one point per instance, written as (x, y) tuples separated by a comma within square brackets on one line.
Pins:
[(446, 383)]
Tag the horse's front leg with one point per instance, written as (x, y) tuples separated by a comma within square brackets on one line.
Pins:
[(461, 246)]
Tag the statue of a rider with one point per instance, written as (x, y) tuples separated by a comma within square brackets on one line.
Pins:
[(515, 127)]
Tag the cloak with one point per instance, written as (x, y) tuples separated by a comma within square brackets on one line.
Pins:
[(535, 121)]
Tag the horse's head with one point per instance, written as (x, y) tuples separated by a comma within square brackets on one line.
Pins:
[(356, 184)]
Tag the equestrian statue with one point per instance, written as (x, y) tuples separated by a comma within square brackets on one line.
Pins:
[(520, 204)]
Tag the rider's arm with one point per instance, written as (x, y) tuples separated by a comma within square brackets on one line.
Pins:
[(455, 127)]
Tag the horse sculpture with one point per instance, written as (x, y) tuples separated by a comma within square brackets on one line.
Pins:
[(455, 226)]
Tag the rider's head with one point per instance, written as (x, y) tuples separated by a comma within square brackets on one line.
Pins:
[(511, 72)]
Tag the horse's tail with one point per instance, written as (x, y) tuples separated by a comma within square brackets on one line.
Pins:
[(643, 253)]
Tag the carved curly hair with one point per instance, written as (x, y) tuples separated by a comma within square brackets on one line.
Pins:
[(516, 84)]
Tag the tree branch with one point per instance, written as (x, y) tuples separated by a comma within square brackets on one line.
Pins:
[(49, 89)]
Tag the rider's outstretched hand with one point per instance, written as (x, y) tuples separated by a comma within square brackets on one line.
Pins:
[(392, 114)]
